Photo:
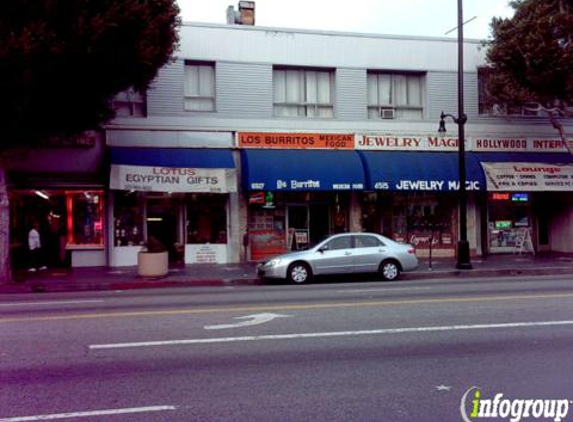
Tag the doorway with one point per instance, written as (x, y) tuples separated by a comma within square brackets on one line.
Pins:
[(319, 216), (47, 208), (162, 218), (310, 222)]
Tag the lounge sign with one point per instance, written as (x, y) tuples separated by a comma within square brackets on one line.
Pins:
[(528, 177), (168, 179)]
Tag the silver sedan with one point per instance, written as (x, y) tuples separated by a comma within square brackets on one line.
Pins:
[(343, 254)]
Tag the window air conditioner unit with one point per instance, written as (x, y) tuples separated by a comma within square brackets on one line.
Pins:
[(387, 113)]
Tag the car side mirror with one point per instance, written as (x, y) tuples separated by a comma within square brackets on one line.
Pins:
[(323, 248)]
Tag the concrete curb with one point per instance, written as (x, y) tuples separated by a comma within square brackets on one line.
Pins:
[(55, 286), (488, 272)]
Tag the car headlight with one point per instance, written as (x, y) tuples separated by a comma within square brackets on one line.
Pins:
[(273, 262)]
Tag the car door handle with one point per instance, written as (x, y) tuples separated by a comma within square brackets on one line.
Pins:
[(347, 253)]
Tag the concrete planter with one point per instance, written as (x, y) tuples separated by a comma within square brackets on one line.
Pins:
[(152, 264)]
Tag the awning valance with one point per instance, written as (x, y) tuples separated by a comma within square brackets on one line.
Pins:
[(301, 170), (419, 171), (528, 172), (173, 170), (173, 157)]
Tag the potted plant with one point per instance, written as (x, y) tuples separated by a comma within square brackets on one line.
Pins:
[(153, 259)]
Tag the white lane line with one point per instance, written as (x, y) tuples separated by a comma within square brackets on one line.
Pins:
[(328, 334), (382, 289), (89, 413), (67, 302)]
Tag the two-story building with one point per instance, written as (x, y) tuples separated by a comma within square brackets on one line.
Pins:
[(258, 140)]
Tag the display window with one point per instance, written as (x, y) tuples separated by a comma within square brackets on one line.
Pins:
[(419, 218), (267, 224), (65, 219), (85, 219), (206, 218), (509, 216), (128, 218), (191, 226)]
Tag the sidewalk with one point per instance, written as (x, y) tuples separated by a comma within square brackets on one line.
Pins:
[(125, 278)]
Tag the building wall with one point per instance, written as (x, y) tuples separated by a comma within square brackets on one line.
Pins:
[(350, 92), (323, 48), (244, 58), (561, 231), (165, 95)]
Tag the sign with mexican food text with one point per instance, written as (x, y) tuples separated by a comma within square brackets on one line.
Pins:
[(295, 140)]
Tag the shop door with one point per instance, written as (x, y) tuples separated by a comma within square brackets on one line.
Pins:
[(319, 216), (162, 223), (298, 224)]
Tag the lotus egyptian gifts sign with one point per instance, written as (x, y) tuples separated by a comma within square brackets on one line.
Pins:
[(169, 179)]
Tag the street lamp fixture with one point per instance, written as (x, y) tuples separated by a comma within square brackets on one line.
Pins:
[(442, 128), (463, 262)]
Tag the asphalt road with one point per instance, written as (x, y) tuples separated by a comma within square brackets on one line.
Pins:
[(343, 351)]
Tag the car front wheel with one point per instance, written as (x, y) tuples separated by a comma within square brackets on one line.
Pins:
[(299, 273), (390, 270)]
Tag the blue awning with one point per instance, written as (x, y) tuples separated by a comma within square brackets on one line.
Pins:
[(301, 170), (207, 158), (419, 171)]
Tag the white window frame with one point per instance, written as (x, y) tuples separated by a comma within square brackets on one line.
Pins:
[(199, 86), (130, 103), (311, 93), (383, 89)]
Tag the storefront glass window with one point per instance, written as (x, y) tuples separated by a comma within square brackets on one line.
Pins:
[(421, 219), (128, 223), (206, 218), (509, 216), (85, 218), (267, 224)]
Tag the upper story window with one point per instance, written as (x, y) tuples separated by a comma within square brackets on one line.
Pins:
[(130, 103), (199, 86), (488, 107), (303, 93), (395, 95)]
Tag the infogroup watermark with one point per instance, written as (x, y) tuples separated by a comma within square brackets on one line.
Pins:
[(474, 407)]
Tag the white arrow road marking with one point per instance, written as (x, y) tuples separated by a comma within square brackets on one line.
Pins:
[(250, 320), (330, 334), (89, 413)]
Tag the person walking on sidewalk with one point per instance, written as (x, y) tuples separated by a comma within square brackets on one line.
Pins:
[(35, 246)]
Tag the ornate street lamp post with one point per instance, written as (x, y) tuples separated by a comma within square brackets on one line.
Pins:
[(463, 244)]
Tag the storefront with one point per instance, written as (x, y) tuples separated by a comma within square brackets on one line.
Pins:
[(527, 200), (180, 197), (298, 196), (60, 187), (412, 198)]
